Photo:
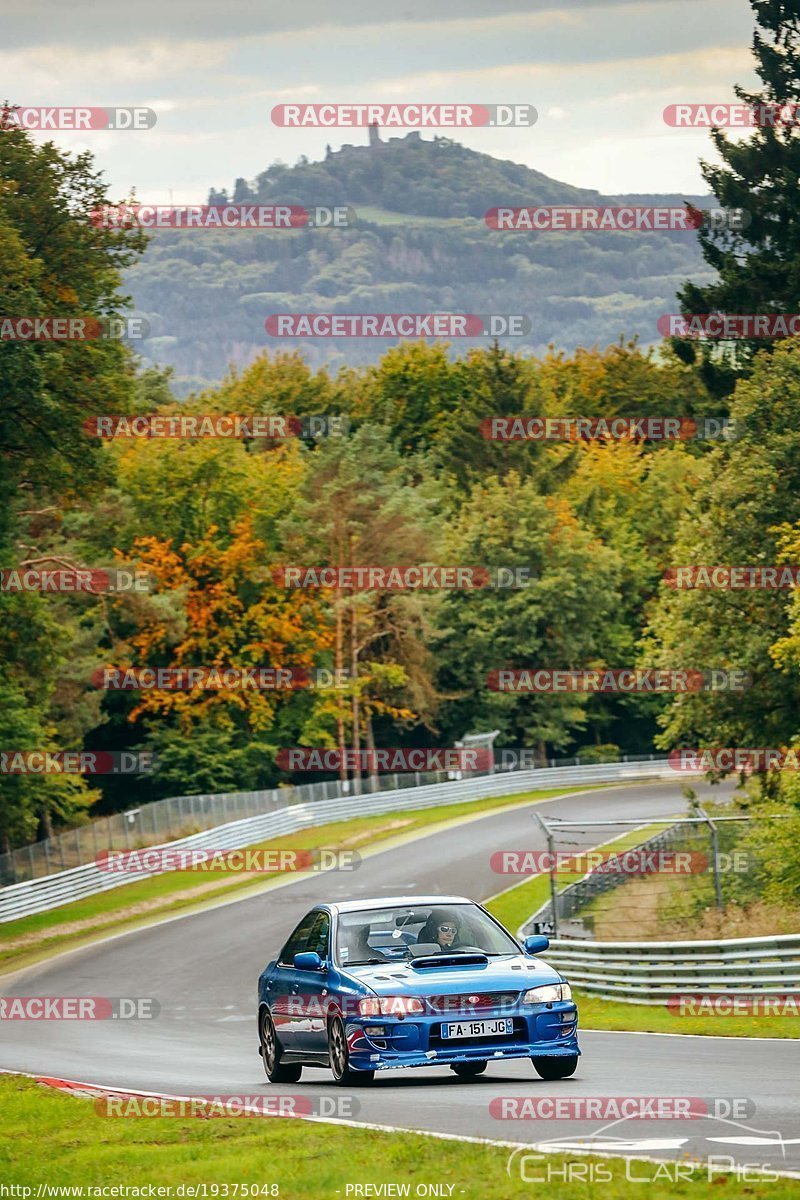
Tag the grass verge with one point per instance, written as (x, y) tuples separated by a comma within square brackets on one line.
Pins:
[(656, 1018), (74, 1147)]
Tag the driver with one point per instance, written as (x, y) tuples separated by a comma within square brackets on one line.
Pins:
[(441, 927)]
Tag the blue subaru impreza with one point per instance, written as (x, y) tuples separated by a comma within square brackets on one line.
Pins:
[(407, 981)]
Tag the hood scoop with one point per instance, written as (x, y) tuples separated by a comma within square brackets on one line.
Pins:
[(432, 961)]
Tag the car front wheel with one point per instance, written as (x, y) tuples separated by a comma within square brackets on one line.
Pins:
[(556, 1068), (339, 1057), (271, 1051)]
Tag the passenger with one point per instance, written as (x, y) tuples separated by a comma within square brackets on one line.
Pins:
[(359, 949)]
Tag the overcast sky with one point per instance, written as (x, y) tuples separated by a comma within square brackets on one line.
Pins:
[(600, 75)]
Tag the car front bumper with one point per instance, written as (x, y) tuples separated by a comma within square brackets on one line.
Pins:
[(415, 1041)]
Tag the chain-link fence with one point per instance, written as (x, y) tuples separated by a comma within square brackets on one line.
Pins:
[(655, 880)]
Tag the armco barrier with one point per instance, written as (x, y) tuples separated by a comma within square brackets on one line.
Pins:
[(649, 973), (51, 891), (177, 817)]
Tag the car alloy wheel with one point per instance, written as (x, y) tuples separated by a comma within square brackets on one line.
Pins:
[(339, 1057), (270, 1050)]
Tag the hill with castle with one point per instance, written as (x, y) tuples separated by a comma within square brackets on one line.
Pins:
[(419, 244)]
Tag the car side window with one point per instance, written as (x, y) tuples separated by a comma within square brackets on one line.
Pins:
[(298, 940), (319, 935)]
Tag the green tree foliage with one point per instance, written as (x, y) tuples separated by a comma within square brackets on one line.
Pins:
[(53, 263), (751, 488), (562, 618)]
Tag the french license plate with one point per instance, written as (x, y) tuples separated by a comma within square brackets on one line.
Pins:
[(472, 1029)]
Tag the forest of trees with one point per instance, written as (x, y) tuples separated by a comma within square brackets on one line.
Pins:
[(408, 478)]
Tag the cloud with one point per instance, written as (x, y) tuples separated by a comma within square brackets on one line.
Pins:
[(39, 71), (80, 22), (600, 72)]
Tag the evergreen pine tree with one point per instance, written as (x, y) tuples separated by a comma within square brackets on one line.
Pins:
[(758, 265)]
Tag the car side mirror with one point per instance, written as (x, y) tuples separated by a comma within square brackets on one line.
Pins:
[(535, 944), (309, 961)]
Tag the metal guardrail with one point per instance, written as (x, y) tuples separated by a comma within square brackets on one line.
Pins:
[(652, 972), (176, 817), (289, 816)]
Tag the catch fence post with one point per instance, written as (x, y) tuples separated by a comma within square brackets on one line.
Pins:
[(714, 857), (553, 893)]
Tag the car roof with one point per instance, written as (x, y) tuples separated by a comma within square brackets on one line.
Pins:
[(344, 906)]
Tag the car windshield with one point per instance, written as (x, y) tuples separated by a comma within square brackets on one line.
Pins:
[(377, 935)]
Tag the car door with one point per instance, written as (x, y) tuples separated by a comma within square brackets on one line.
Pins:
[(284, 1001), (310, 1028)]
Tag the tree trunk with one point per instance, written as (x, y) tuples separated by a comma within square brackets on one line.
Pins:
[(45, 823), (374, 781), (339, 668), (355, 697)]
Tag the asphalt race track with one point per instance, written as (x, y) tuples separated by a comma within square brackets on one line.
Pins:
[(202, 969)]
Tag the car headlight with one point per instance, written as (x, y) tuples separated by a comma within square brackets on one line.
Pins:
[(548, 993), (389, 1006)]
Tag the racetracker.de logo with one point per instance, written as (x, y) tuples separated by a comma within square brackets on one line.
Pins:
[(78, 1008), (73, 579), (217, 425), (419, 577), (404, 116), (729, 758), (619, 1108), (730, 116), (215, 679), (598, 862), (76, 119), (76, 762), (155, 860), (524, 428), (626, 680), (636, 218), (449, 758), (397, 325), (730, 326), (221, 216), (317, 1006), (72, 329), (731, 1004), (274, 1105), (733, 579)]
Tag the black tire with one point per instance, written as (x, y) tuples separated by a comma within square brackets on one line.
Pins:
[(556, 1068), (469, 1070), (270, 1050), (340, 1060)]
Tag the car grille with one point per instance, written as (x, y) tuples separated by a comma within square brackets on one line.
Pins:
[(465, 1004)]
